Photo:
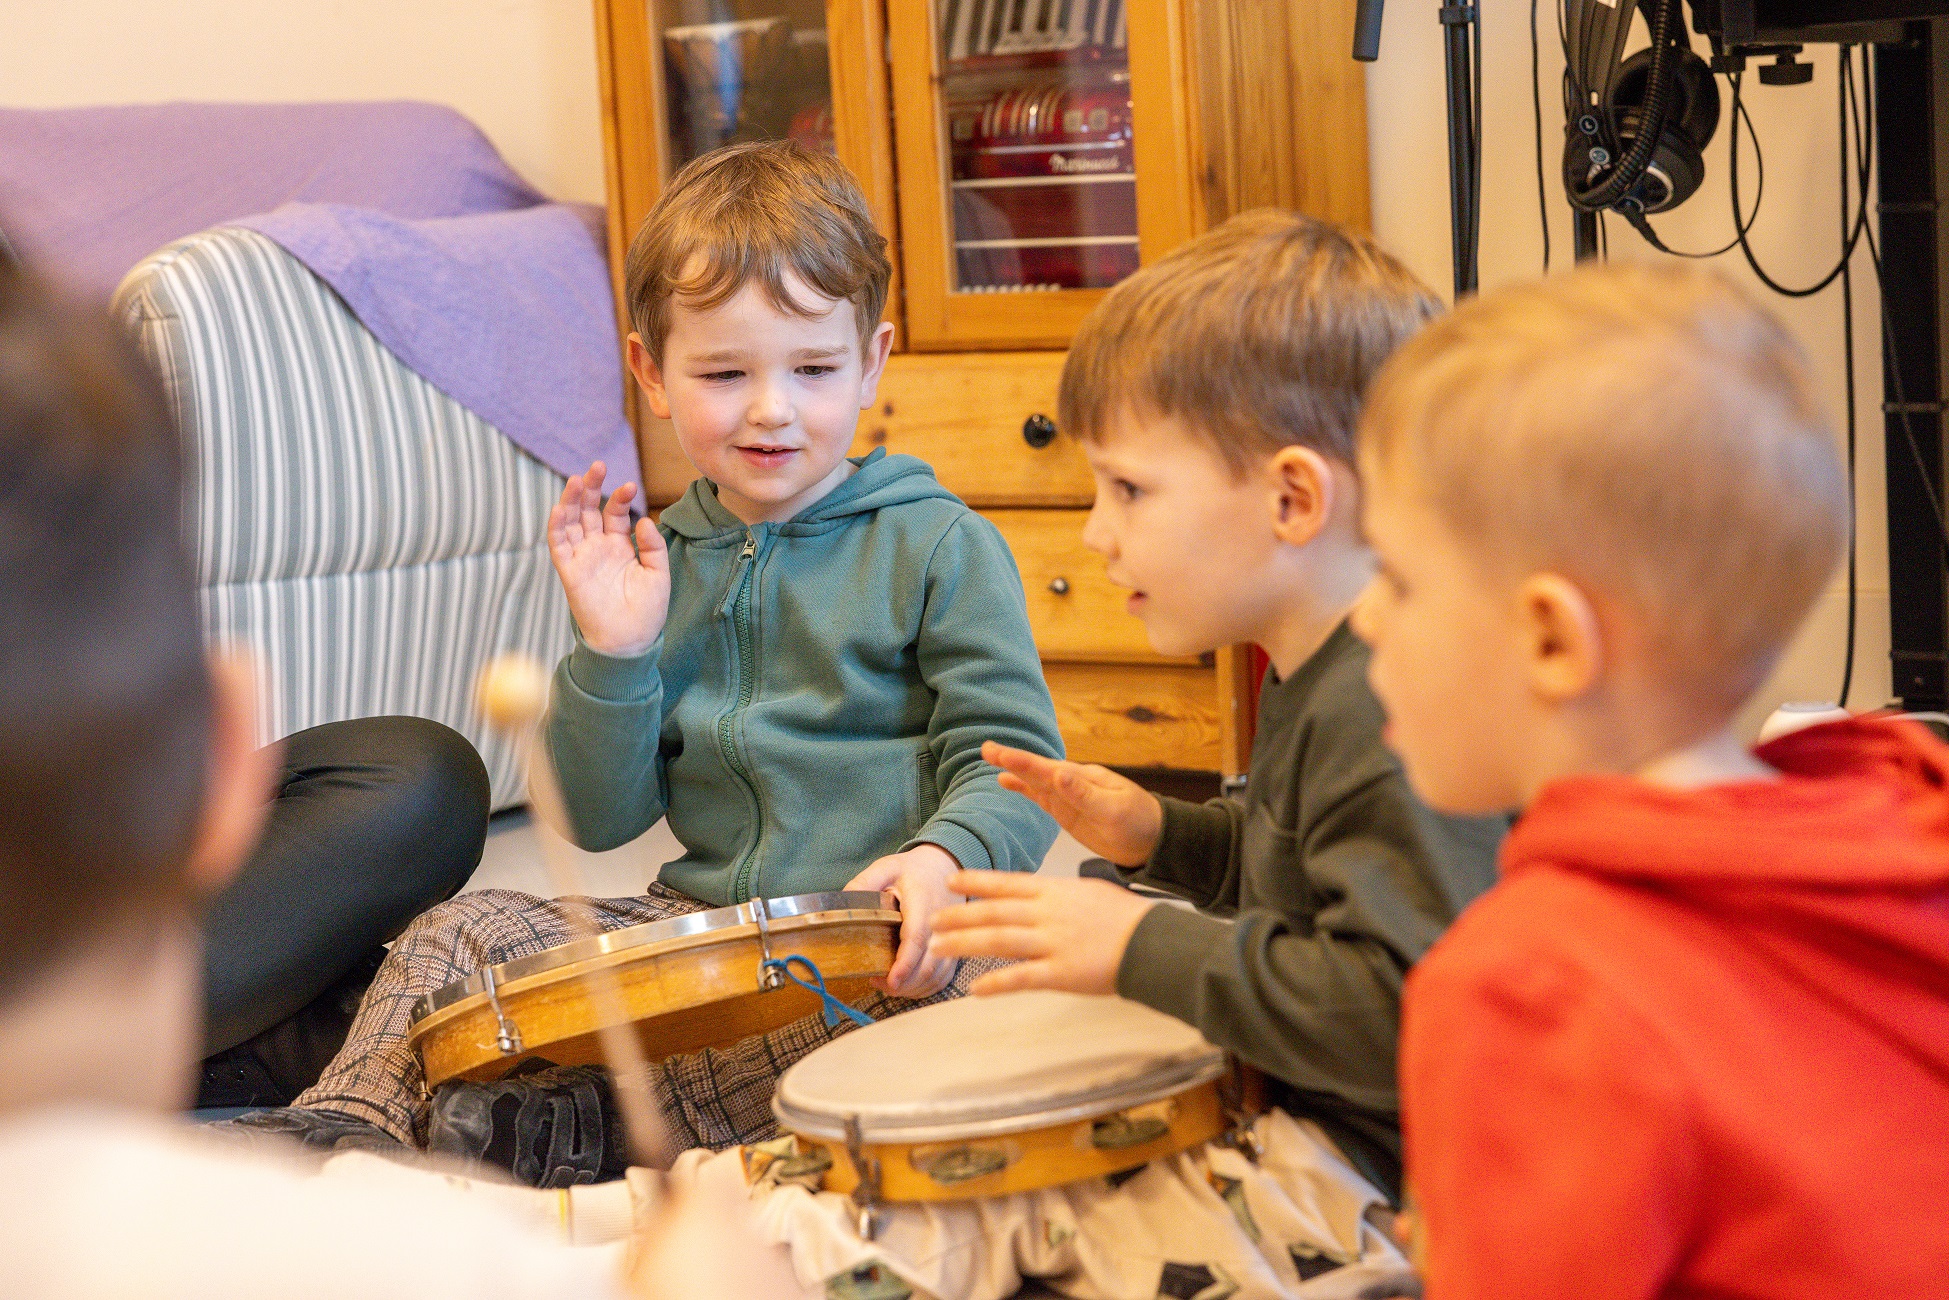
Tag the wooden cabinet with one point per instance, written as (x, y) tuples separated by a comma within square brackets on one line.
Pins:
[(1021, 158)]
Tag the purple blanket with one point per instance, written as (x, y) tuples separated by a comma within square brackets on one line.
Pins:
[(497, 296)]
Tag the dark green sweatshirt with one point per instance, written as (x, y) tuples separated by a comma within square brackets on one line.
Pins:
[(1316, 893)]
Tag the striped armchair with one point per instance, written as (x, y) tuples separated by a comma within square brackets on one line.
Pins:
[(371, 540)]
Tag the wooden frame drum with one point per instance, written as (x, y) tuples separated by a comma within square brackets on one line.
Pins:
[(687, 983), (1124, 1086)]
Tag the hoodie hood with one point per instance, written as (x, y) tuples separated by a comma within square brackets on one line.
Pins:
[(1859, 804), (1835, 877), (878, 480)]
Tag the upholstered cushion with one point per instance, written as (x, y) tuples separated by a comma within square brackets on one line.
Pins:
[(369, 538)]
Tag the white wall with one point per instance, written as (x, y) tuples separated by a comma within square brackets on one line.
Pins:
[(1797, 238), (525, 70)]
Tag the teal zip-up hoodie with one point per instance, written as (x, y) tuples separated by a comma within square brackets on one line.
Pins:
[(819, 696)]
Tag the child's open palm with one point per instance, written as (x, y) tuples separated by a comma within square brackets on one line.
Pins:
[(1110, 814), (618, 585)]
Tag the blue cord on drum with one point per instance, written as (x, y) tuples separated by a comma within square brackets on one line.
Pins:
[(833, 1006)]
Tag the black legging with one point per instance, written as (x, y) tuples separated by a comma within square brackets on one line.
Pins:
[(375, 821)]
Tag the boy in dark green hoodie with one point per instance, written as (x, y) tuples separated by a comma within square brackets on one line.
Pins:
[(797, 668), (1216, 395)]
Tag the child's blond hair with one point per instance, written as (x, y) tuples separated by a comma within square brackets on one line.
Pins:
[(1260, 334), (1650, 433), (755, 212)]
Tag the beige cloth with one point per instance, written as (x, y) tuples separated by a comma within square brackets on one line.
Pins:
[(1210, 1224), (101, 1205)]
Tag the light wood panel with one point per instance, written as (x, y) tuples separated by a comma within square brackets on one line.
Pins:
[(666, 472), (1236, 722), (1282, 110), (1074, 609), (1128, 715), (963, 413)]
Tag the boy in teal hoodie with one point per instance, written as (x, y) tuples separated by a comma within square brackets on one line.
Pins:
[(797, 668)]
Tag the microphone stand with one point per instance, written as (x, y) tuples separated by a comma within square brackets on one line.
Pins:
[(1461, 31)]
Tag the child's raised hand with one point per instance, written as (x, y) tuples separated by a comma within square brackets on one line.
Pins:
[(618, 586), (1063, 934), (918, 878), (1111, 815)]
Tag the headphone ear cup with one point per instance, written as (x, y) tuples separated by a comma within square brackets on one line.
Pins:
[(1677, 167), (1683, 169), (1696, 93)]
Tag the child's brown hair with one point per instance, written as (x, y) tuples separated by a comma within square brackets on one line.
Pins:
[(1260, 334), (754, 212), (105, 694), (1649, 432)]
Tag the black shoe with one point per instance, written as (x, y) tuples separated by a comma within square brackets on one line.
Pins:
[(278, 1064), (328, 1131), (552, 1126)]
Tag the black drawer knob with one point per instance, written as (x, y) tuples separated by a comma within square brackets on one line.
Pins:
[(1038, 431), (1060, 586)]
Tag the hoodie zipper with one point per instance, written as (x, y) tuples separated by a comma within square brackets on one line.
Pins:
[(738, 605)]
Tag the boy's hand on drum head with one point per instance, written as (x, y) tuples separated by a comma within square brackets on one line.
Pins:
[(918, 878), (617, 577), (1062, 934), (1111, 815)]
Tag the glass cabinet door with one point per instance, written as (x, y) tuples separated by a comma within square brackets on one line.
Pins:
[(736, 70), (1044, 182), (1032, 123)]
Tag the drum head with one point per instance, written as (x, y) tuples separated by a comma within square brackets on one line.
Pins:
[(979, 1066)]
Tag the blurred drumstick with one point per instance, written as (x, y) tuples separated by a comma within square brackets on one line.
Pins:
[(513, 694)]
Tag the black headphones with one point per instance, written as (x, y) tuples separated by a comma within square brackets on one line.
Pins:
[(1610, 108)]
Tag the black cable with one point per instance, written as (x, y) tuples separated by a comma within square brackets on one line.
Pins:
[(1536, 99), (1741, 225), (1642, 223), (1474, 196), (1846, 83)]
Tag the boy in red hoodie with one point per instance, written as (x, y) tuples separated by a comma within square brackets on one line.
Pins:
[(1695, 1042)]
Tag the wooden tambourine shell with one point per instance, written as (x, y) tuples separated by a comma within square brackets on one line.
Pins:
[(1121, 1086), (685, 984)]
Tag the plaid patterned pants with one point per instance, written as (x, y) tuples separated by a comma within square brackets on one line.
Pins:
[(715, 1098)]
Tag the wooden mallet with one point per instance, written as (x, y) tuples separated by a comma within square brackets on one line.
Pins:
[(513, 695)]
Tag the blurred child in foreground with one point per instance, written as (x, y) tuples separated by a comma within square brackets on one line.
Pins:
[(1695, 1042), (131, 789)]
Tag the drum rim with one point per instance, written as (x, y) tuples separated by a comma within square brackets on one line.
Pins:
[(985, 1120), (792, 907)]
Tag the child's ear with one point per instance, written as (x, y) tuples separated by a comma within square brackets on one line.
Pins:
[(1303, 494), (1560, 637), (874, 363), (649, 375), (238, 792)]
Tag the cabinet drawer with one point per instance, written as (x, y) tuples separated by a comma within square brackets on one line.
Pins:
[(1138, 715), (963, 414), (1074, 609)]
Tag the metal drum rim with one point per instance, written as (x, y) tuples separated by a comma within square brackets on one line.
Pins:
[(791, 907), (984, 1121)]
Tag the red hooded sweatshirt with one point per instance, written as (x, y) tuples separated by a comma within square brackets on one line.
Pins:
[(1696, 1043)]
